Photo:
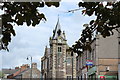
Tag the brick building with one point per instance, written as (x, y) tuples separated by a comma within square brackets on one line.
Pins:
[(57, 60), (22, 72), (104, 57)]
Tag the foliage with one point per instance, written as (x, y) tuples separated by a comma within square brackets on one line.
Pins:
[(108, 19), (20, 13)]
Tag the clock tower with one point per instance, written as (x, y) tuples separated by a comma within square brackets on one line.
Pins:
[(58, 49), (57, 60)]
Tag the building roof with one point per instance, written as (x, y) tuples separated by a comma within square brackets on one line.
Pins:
[(47, 50), (9, 71), (57, 31), (20, 73)]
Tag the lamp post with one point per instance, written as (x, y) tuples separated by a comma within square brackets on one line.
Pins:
[(72, 63), (118, 59), (31, 66)]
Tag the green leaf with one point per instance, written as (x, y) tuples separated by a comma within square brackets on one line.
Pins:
[(99, 29), (19, 19), (56, 4), (91, 22), (49, 4), (41, 4), (13, 32), (35, 21), (40, 16), (28, 21), (80, 4)]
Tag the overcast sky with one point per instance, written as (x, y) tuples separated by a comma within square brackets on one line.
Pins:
[(32, 40)]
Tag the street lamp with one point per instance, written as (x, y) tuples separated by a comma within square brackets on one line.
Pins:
[(31, 66), (72, 63)]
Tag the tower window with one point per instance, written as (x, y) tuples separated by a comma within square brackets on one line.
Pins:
[(69, 61), (59, 58), (59, 54), (59, 49)]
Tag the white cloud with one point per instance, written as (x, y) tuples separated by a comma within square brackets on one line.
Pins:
[(32, 40), (0, 61), (71, 0)]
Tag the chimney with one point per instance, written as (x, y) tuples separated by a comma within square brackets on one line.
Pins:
[(24, 66), (34, 65)]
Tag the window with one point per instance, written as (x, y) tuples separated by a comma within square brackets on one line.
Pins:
[(84, 59), (41, 65), (68, 54), (86, 55), (81, 61), (78, 78), (59, 49), (89, 55), (48, 63), (92, 55), (59, 54), (68, 77), (69, 61), (77, 64), (59, 58), (45, 63)]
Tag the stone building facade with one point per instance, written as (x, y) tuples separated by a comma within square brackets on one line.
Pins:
[(57, 59), (26, 74), (104, 57), (22, 73)]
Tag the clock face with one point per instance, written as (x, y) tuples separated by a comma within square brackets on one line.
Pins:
[(59, 40)]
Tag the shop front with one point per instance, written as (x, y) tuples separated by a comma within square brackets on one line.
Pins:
[(84, 74), (107, 77), (119, 71), (92, 73)]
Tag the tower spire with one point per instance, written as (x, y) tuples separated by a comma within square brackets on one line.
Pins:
[(57, 31)]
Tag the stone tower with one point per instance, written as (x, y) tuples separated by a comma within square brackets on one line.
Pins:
[(57, 60), (58, 49)]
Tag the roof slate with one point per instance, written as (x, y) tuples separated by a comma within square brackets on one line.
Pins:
[(9, 71)]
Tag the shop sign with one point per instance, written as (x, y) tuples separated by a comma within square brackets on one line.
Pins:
[(89, 62)]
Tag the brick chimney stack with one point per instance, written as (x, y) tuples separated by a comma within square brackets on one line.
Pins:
[(24, 66)]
